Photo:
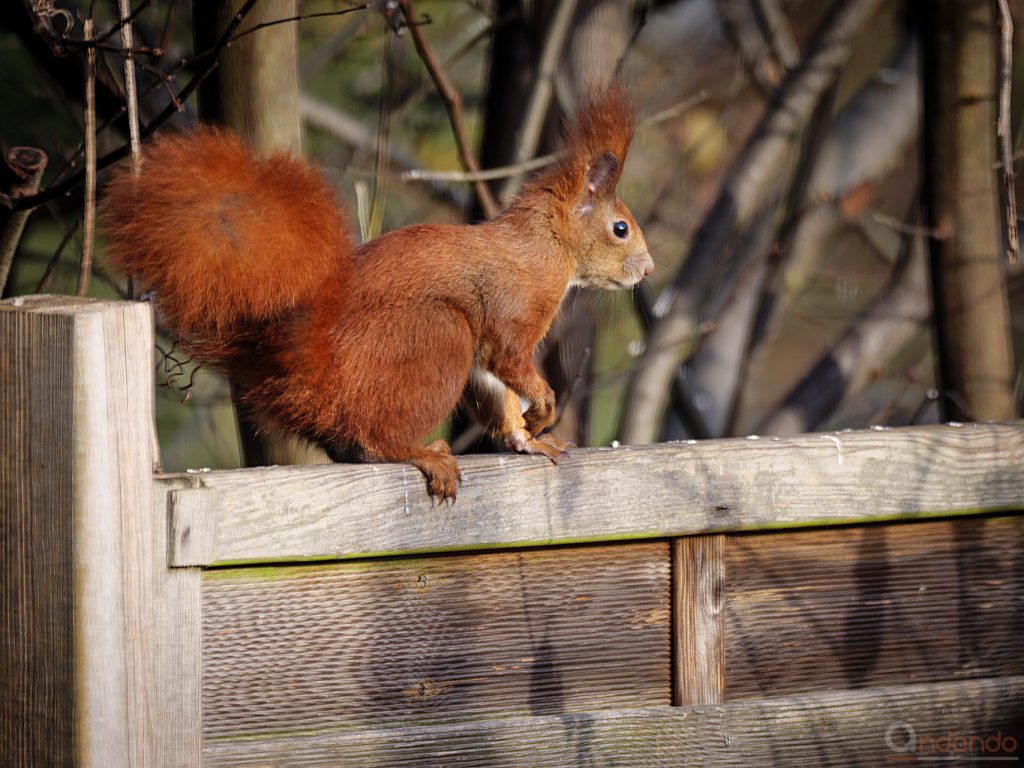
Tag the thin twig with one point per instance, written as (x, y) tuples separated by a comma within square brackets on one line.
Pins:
[(119, 50), (453, 103), (904, 228), (299, 17), (1003, 129), (502, 172), (126, 20), (417, 94), (674, 111), (145, 50), (132, 99), (88, 241), (130, 93), (383, 139)]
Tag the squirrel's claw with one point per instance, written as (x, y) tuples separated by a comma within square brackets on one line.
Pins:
[(438, 465)]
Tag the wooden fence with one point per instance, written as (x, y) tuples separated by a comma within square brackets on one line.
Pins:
[(839, 599)]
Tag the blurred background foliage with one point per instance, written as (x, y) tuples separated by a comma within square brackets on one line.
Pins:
[(814, 311)]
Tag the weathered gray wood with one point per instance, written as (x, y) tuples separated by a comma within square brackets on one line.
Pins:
[(698, 651), (830, 729), (171, 700), (440, 639), (76, 454), (279, 514), (874, 605)]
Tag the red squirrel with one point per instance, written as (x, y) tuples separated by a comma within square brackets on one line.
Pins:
[(364, 349)]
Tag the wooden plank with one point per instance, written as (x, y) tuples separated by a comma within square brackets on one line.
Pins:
[(332, 512), (875, 605), (698, 576), (130, 665), (427, 640), (36, 601), (830, 729), (170, 685)]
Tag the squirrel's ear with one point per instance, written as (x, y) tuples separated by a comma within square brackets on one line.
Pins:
[(599, 180), (601, 175)]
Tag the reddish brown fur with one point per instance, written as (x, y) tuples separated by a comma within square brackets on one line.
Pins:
[(364, 350), (604, 123), (221, 237)]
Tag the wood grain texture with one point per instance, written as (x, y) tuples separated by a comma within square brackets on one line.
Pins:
[(418, 641), (876, 605), (36, 600), (698, 576), (125, 672), (830, 729), (286, 513)]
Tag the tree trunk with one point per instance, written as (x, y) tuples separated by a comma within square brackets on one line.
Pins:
[(971, 308), (255, 92)]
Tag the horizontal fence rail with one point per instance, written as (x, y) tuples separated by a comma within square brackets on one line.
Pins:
[(882, 726), (336, 512)]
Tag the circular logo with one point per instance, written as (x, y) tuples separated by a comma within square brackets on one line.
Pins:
[(901, 737)]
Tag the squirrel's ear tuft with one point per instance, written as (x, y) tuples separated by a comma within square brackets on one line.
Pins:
[(596, 145), (603, 126)]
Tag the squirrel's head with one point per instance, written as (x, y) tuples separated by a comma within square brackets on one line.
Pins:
[(600, 235), (609, 248)]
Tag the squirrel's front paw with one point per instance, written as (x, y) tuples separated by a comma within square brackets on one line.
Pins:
[(541, 413), (548, 445), (439, 467)]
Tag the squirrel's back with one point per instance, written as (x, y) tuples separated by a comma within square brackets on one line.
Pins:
[(223, 238)]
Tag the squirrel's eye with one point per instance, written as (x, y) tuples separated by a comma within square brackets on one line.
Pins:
[(621, 229)]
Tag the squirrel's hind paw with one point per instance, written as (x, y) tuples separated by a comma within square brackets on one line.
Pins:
[(547, 445)]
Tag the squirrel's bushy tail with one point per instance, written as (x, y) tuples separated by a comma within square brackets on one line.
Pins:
[(222, 238)]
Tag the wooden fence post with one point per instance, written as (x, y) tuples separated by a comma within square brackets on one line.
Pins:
[(99, 660), (698, 587)]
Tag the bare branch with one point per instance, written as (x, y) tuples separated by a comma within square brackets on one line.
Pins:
[(28, 164), (298, 17), (126, 20), (130, 94), (490, 174), (453, 102), (89, 238)]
